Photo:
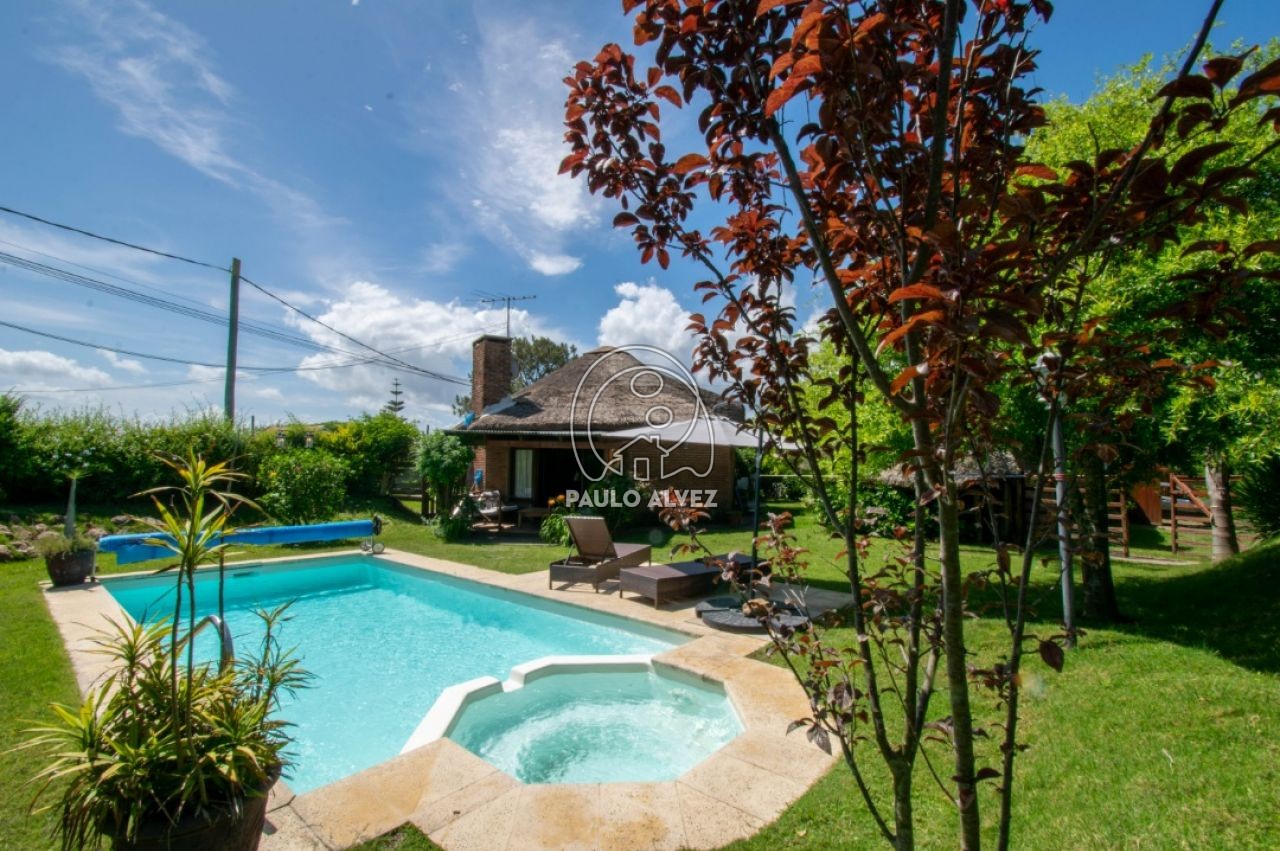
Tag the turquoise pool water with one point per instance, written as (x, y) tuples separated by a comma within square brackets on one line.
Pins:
[(599, 727), (383, 640)]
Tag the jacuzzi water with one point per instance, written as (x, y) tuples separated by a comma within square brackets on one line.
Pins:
[(382, 641), (597, 727)]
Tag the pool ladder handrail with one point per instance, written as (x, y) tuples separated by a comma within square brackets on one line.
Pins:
[(227, 649)]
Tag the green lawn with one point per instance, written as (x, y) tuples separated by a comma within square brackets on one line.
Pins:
[(1160, 734)]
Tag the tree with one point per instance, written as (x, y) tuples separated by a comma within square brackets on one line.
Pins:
[(531, 359), (1218, 424), (534, 357), (443, 462), (877, 147), (396, 405)]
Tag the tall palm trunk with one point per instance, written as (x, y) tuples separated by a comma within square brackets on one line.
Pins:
[(1217, 478)]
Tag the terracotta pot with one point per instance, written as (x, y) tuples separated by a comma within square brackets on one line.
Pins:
[(70, 568), (226, 829)]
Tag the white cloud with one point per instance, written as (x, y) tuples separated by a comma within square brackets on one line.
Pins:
[(649, 314), (41, 370), (432, 335), (553, 264), (502, 128), (159, 77), (127, 364)]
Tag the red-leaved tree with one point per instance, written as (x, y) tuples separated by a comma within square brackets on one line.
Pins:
[(876, 147)]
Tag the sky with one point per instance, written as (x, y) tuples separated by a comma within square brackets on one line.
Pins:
[(381, 165)]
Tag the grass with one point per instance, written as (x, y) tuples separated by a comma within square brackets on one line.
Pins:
[(1158, 734)]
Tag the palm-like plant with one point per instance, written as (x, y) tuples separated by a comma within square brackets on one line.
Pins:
[(163, 738)]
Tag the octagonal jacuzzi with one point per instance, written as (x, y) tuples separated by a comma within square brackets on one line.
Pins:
[(587, 720)]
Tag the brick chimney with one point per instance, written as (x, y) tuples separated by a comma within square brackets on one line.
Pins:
[(490, 371)]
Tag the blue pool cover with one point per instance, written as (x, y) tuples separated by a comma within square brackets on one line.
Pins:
[(133, 548)]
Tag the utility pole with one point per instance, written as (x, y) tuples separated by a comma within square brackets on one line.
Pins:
[(233, 333), (507, 299)]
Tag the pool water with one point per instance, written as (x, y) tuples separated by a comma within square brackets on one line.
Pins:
[(599, 727), (382, 641)]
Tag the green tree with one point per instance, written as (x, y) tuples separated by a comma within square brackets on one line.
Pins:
[(443, 462), (534, 357), (1233, 420), (396, 404)]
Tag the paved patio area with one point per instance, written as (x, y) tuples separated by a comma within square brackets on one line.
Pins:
[(463, 802)]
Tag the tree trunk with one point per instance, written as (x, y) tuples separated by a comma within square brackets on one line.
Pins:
[(1217, 478), (958, 667), (904, 829), (1095, 560)]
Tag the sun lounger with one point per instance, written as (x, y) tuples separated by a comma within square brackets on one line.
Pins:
[(598, 558)]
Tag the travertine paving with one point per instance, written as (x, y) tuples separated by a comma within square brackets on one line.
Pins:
[(463, 802)]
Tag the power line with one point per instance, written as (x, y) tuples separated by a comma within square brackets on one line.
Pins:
[(182, 361), (199, 313), (103, 272), (14, 260), (111, 240)]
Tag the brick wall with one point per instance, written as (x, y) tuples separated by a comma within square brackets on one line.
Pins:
[(490, 371)]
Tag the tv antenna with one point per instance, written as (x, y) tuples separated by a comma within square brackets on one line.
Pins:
[(507, 300)]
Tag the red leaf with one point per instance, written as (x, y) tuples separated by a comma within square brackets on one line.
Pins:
[(779, 96), (1190, 86), (1271, 246), (926, 318), (916, 291), (1266, 79), (1052, 655), (1189, 164), (1036, 170), (1221, 69), (767, 6), (903, 377), (987, 773), (670, 94), (624, 219), (688, 163)]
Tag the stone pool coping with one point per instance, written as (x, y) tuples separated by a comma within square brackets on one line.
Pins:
[(462, 802)]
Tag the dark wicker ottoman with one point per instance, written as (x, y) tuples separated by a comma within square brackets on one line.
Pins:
[(661, 582)]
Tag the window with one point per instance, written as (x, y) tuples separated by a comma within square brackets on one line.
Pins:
[(524, 474)]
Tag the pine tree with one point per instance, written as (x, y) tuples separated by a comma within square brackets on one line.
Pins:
[(396, 405)]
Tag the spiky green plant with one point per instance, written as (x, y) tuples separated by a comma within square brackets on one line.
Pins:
[(162, 737)]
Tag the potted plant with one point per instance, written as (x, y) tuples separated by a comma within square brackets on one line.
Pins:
[(168, 752), (69, 560)]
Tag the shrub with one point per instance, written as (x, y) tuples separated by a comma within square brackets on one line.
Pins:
[(606, 499), (443, 462), (374, 447), (302, 485), (456, 524), (1259, 497)]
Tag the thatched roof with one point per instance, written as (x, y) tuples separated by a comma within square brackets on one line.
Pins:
[(606, 375), (998, 466)]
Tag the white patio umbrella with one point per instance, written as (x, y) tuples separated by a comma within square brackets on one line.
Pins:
[(715, 431)]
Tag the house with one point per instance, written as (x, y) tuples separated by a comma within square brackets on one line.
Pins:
[(552, 437)]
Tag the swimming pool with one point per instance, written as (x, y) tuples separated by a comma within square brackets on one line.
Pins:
[(383, 641)]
